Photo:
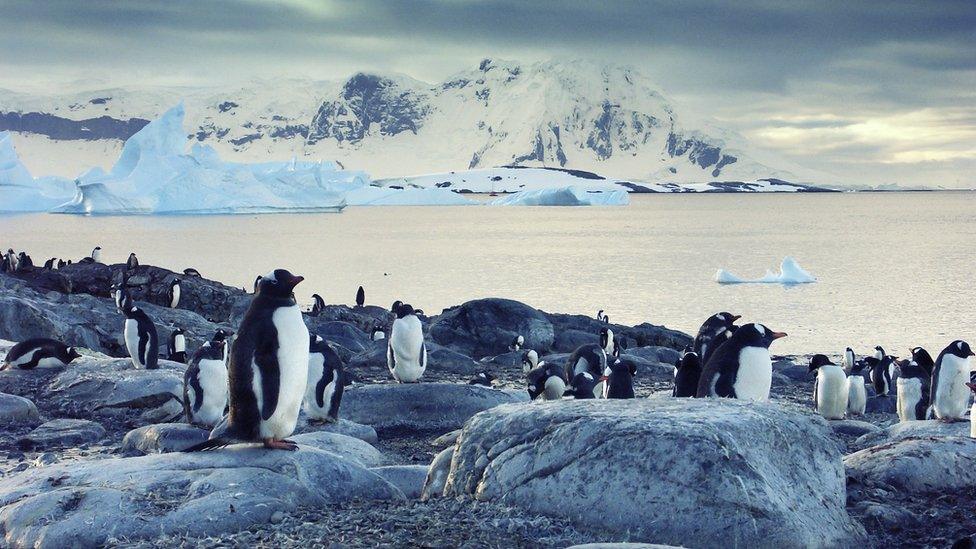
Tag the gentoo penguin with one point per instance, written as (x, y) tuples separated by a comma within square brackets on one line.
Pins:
[(913, 386), (713, 332), (857, 395), (830, 390), (619, 379), (972, 413), (140, 336), (406, 354), (177, 346), (323, 393), (517, 343), (4, 264), (530, 361), (96, 254), (485, 378), (546, 382), (39, 351), (950, 395), (61, 263), (592, 359), (608, 342), (687, 372), (12, 260), (582, 387), (602, 317), (119, 295), (205, 385), (360, 297), (49, 264), (222, 335), (132, 262), (741, 367), (268, 369), (881, 367), (190, 271), (849, 360), (318, 305), (377, 334), (174, 293), (24, 262)]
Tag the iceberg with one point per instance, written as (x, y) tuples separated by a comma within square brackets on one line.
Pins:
[(21, 192), (790, 273), (564, 196), (385, 196)]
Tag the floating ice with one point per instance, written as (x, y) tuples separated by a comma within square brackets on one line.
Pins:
[(19, 191), (790, 273), (564, 196), (385, 196)]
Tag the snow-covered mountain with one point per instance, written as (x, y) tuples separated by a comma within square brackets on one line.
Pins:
[(576, 115)]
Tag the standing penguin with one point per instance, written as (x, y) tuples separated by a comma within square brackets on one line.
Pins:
[(592, 359), (61, 263), (830, 392), (140, 336), (96, 254), (530, 361), (24, 262), (177, 346), (119, 295), (517, 343), (972, 413), (406, 354), (205, 385), (849, 360), (687, 372), (741, 367), (132, 262), (619, 379), (377, 334), (913, 386), (546, 382), (360, 297), (950, 394), (608, 342), (318, 305), (5, 264), (49, 264), (39, 351), (268, 369), (857, 395), (323, 393), (881, 367), (12, 260), (712, 333), (602, 317), (174, 293)]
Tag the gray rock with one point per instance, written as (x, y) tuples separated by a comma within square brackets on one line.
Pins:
[(642, 335), (62, 432), (884, 515), (568, 340), (341, 427), (917, 465), (419, 406), (17, 410), (486, 327), (91, 503), (792, 370), (349, 448), (760, 474), (654, 353), (648, 370), (437, 474), (163, 437), (408, 478), (907, 429), (853, 427), (881, 405), (447, 439), (344, 334), (439, 359), (102, 386), (622, 546)]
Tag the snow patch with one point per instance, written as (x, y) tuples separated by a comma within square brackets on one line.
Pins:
[(790, 273)]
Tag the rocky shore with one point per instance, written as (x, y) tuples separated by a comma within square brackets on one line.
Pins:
[(89, 452)]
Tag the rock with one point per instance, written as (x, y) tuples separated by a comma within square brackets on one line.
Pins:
[(408, 478), (648, 370), (511, 359), (163, 437), (339, 333), (341, 427), (642, 335), (447, 439), (796, 372), (62, 432), (653, 353), (17, 410), (886, 516), (442, 359), (881, 405), (419, 406), (349, 448), (853, 427), (486, 327), (761, 474), (622, 546), (87, 503), (918, 465), (437, 474), (103, 386), (568, 341), (907, 429)]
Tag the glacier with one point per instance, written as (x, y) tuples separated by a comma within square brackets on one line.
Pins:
[(564, 196), (790, 273), (21, 192)]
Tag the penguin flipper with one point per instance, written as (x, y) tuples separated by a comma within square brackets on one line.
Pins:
[(390, 357), (267, 365), (423, 356), (212, 444)]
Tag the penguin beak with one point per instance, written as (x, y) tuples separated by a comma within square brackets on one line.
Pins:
[(777, 335), (295, 280), (736, 317)]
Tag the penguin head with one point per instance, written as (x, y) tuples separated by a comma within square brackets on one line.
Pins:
[(530, 359), (818, 361), (72, 354), (607, 342), (581, 386), (689, 359), (219, 335), (879, 352), (922, 357), (621, 366), (395, 306), (756, 335), (960, 349), (404, 310), (278, 283), (174, 283)]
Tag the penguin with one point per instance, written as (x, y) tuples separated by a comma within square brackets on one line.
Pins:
[(360, 297), (96, 255), (174, 293), (716, 330), (972, 412), (619, 379), (517, 343), (24, 262), (61, 263), (12, 260), (49, 264), (741, 367), (377, 334), (687, 372), (39, 351), (190, 271), (4, 264), (592, 359), (849, 360), (177, 346), (530, 361), (949, 378), (132, 262), (608, 342), (318, 305), (205, 385), (257, 282), (140, 336), (485, 378), (268, 369), (830, 392), (119, 295), (323, 393), (222, 335), (880, 366), (857, 395), (546, 382), (406, 354), (600, 316), (582, 387), (913, 386)]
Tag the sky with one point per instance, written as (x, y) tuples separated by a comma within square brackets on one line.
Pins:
[(878, 91)]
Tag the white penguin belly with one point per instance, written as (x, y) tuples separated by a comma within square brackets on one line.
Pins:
[(407, 341), (554, 389), (952, 396), (972, 421), (131, 335), (909, 393), (292, 372), (49, 362), (831, 392), (857, 395), (24, 359), (755, 375), (176, 297), (316, 369), (213, 381)]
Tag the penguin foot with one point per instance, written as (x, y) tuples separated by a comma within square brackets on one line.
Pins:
[(273, 444)]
